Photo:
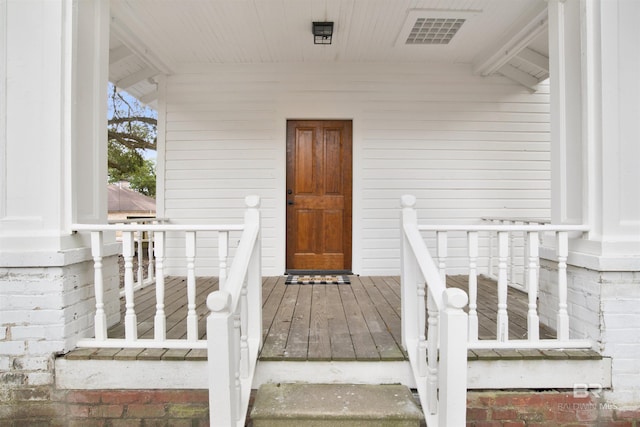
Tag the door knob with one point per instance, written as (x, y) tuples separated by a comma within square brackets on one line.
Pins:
[(290, 202)]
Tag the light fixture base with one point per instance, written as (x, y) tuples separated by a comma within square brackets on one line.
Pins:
[(322, 32)]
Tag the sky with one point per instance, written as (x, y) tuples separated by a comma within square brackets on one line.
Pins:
[(148, 154)]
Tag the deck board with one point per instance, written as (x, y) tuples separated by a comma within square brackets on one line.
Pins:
[(298, 343), (360, 321), (319, 340)]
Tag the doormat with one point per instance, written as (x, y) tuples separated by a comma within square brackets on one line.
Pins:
[(317, 280)]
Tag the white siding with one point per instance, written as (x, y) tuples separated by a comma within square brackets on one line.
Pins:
[(466, 146)]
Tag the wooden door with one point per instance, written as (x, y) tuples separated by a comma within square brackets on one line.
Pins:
[(319, 191)]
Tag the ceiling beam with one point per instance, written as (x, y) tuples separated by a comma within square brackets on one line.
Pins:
[(133, 42), (527, 30), (535, 59), (138, 76), (149, 97), (118, 54), (526, 80)]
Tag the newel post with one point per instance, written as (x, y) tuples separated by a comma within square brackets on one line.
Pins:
[(453, 359), (254, 272), (408, 272), (223, 399)]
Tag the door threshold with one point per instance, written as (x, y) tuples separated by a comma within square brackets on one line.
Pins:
[(314, 272)]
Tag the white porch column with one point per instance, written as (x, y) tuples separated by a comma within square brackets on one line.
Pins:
[(595, 64), (53, 165), (53, 83)]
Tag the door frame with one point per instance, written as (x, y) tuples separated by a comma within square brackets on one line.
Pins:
[(349, 204)]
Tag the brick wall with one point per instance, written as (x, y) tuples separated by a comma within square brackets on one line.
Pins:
[(116, 408), (604, 307), (583, 299), (44, 311), (112, 408), (545, 408)]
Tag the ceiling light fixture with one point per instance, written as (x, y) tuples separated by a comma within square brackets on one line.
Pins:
[(322, 32)]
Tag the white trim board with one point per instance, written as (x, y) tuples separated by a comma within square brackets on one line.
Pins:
[(482, 374)]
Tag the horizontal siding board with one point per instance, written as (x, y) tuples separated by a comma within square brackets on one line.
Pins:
[(459, 155), (456, 135), (446, 164), (466, 146), (230, 154), (478, 187)]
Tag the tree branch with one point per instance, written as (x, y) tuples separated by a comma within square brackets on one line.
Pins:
[(131, 141), (142, 119)]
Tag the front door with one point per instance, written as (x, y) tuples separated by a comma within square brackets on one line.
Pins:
[(319, 186)]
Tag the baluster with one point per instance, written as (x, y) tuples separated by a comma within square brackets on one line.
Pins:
[(130, 320), (432, 355), (563, 316), (192, 317), (472, 238), (422, 328), (533, 321), (237, 356), (490, 272), (502, 331), (244, 327), (150, 270), (140, 260), (442, 255), (100, 320), (511, 278), (160, 321), (223, 254), (525, 274)]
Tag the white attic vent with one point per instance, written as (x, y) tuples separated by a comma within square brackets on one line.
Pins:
[(434, 31), (432, 27)]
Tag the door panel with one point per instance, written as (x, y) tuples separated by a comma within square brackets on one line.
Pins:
[(319, 194)]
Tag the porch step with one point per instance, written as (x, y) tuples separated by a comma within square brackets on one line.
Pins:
[(335, 405)]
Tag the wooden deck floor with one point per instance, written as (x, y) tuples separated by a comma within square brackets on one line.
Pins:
[(360, 321)]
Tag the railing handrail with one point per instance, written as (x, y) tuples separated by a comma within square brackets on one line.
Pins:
[(425, 262), (157, 227), (234, 328), (240, 264), (503, 227), (438, 360)]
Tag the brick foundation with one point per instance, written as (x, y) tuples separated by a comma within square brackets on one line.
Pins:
[(545, 408), (109, 408), (190, 408)]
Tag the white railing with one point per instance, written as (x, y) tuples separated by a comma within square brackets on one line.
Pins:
[(140, 238), (530, 235), (234, 329), (129, 232), (234, 326), (439, 359), (518, 247)]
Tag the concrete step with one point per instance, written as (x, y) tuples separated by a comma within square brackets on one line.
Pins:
[(335, 405)]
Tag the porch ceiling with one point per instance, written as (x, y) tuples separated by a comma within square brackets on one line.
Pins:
[(151, 37)]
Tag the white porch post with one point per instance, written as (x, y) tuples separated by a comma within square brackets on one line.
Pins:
[(53, 77), (595, 63)]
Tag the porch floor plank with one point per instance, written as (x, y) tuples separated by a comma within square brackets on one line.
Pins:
[(363, 344), (298, 342), (275, 344), (360, 321), (319, 340), (384, 341)]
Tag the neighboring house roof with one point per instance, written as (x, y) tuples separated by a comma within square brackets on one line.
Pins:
[(124, 199)]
